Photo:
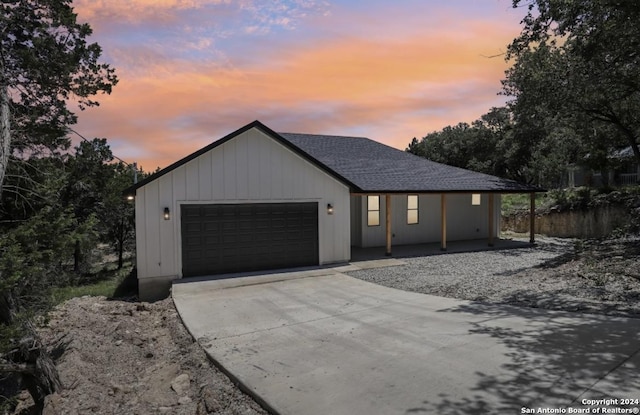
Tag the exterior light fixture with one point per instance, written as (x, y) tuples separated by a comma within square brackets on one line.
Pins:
[(130, 197), (329, 209), (167, 214)]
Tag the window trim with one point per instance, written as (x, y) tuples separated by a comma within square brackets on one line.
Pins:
[(415, 209), (370, 210)]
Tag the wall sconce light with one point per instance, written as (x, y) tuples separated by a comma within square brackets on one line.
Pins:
[(329, 209), (130, 197), (167, 214)]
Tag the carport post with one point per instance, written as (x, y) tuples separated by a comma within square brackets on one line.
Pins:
[(443, 222), (491, 221), (387, 200), (532, 218)]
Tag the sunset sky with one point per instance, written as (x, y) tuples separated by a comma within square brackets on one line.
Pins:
[(191, 71)]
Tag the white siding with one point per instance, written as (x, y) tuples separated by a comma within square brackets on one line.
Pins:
[(251, 167), (464, 221), (356, 220)]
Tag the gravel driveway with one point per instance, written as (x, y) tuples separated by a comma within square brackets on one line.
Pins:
[(550, 275)]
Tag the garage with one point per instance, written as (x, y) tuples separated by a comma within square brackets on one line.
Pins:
[(223, 238)]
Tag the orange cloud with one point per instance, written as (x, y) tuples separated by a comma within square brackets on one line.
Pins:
[(136, 10), (390, 89)]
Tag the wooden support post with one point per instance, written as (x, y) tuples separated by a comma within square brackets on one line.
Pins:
[(491, 219), (387, 200), (532, 219), (443, 222)]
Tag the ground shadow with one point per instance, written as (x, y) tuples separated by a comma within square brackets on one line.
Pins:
[(555, 360), (128, 287)]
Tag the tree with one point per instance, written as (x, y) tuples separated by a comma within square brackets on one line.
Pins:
[(45, 62), (116, 215), (88, 172), (32, 257), (578, 63), (485, 145), (94, 188)]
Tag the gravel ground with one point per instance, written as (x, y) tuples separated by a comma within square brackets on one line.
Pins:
[(559, 274)]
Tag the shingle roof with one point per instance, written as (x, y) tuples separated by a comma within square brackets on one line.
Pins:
[(375, 167), (367, 166)]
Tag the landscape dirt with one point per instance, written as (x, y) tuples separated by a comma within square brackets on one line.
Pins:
[(126, 357)]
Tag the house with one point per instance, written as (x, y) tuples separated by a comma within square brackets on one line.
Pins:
[(257, 199), (623, 170)]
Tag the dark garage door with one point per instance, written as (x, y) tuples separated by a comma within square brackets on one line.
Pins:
[(225, 238)]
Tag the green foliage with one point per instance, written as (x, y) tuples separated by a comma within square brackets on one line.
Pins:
[(105, 283), (482, 146), (583, 198), (496, 144), (35, 254), (577, 67), (46, 60), (519, 203), (575, 89), (116, 215), (580, 198)]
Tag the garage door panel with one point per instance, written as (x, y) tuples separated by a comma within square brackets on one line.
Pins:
[(241, 237)]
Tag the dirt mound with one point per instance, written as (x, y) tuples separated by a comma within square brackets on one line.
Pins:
[(132, 358)]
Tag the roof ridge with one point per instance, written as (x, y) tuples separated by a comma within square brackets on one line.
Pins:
[(326, 135)]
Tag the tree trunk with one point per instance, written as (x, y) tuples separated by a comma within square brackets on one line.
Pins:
[(120, 254), (30, 359), (8, 307), (77, 257), (5, 133), (631, 138), (39, 373), (121, 236)]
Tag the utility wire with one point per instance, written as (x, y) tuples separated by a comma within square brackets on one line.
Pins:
[(134, 166)]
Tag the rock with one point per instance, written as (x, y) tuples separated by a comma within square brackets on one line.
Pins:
[(52, 404), (208, 396), (25, 401), (118, 388), (181, 384), (185, 400), (201, 409)]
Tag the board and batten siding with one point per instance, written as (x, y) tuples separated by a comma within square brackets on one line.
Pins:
[(464, 220), (250, 168)]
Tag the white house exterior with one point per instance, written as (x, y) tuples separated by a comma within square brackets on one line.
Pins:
[(470, 221), (256, 199), (251, 168)]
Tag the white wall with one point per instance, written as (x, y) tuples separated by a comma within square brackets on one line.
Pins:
[(251, 167), (356, 220), (464, 221)]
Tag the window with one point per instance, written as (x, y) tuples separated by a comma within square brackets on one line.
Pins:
[(373, 210), (412, 209), (475, 199)]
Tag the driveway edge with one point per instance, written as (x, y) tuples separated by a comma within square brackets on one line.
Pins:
[(244, 388)]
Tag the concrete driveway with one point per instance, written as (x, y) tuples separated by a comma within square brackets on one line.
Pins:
[(321, 342)]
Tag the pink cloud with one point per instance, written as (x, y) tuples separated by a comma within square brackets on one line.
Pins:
[(409, 83)]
